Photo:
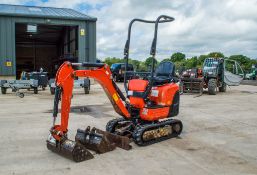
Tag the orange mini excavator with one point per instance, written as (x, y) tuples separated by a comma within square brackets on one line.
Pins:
[(146, 111)]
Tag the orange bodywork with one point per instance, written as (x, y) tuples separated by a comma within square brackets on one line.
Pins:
[(160, 95), (137, 85), (151, 114), (163, 95)]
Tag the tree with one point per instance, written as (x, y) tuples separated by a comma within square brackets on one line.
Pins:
[(175, 57), (216, 55), (244, 61), (142, 67), (191, 62), (181, 62), (135, 63), (201, 59), (112, 60), (138, 65), (166, 59), (148, 63)]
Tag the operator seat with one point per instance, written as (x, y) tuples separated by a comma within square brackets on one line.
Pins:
[(164, 73)]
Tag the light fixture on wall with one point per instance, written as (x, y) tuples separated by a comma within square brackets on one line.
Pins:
[(32, 28)]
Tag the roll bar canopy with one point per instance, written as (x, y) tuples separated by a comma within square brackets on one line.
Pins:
[(160, 19)]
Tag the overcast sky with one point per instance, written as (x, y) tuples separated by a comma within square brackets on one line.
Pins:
[(201, 26)]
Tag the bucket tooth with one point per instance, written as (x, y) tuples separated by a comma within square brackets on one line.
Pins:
[(70, 149), (101, 141)]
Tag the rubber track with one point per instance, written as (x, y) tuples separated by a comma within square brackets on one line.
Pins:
[(138, 132), (111, 123)]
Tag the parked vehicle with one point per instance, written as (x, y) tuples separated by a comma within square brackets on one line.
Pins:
[(16, 85), (216, 73), (79, 83), (28, 80), (192, 73), (41, 76), (118, 70), (213, 73), (251, 75), (191, 81), (219, 72)]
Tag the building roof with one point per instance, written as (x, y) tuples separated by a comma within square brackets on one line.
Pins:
[(43, 12)]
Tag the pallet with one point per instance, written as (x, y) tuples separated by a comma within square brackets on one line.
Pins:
[(192, 85)]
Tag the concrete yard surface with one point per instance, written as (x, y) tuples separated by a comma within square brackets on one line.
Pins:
[(219, 136)]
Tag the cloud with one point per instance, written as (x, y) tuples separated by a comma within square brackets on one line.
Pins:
[(201, 26)]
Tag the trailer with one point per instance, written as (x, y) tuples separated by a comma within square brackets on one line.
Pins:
[(80, 83), (42, 78), (16, 85)]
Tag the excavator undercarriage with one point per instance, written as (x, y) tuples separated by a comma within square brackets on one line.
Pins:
[(146, 133)]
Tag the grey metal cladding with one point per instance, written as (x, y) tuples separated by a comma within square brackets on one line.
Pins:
[(44, 12), (7, 46)]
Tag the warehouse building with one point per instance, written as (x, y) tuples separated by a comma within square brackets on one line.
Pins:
[(41, 37)]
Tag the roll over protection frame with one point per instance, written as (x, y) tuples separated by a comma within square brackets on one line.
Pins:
[(160, 19)]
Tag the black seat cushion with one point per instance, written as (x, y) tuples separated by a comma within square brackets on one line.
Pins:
[(164, 73), (160, 80)]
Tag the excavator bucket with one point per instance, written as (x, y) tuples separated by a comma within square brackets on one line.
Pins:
[(69, 149), (101, 141)]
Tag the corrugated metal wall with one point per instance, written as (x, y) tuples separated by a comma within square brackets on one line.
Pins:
[(7, 46), (86, 43), (91, 41)]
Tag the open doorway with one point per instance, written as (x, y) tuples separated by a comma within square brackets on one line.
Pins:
[(44, 46)]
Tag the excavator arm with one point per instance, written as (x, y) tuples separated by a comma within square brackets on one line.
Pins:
[(64, 87)]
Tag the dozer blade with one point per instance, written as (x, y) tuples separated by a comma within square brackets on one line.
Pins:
[(120, 141), (101, 141), (69, 149)]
